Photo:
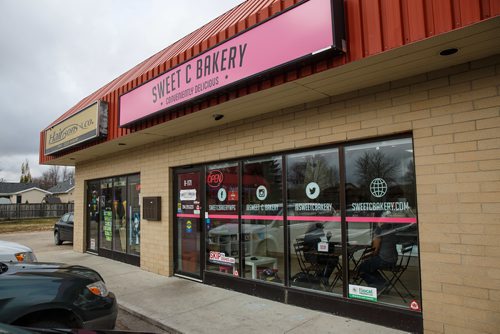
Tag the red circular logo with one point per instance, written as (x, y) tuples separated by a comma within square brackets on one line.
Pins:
[(214, 178), (414, 305)]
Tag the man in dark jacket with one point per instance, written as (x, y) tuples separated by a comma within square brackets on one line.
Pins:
[(383, 255)]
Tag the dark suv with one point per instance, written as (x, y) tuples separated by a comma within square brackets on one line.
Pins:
[(63, 229), (54, 295)]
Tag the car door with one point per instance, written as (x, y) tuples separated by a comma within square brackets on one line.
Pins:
[(69, 227), (64, 227)]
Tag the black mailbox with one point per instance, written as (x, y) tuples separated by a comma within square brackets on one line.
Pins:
[(152, 208)]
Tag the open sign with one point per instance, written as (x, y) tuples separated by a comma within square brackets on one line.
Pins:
[(214, 178)]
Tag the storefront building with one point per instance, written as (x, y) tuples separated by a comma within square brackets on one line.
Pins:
[(269, 151)]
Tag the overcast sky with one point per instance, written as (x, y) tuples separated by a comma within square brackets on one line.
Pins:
[(53, 53)]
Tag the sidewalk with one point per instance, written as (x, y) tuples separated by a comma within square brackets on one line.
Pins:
[(182, 306)]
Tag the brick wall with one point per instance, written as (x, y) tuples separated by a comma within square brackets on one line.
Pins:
[(454, 115)]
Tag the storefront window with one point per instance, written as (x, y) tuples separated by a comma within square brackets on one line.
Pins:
[(106, 213), (120, 214), (114, 215), (314, 220), (221, 221), (382, 224), (350, 226), (134, 214), (262, 220)]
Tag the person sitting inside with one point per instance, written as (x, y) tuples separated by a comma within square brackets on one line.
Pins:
[(327, 262), (383, 255)]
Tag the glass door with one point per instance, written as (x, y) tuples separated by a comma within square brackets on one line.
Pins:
[(92, 215), (188, 231)]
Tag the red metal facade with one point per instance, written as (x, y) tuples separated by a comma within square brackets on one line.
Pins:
[(372, 26)]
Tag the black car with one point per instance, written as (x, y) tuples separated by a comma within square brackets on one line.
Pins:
[(63, 229), (55, 295)]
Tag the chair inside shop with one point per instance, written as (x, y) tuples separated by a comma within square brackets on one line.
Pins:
[(309, 270), (393, 274)]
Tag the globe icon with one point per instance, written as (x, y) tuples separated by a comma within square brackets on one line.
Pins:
[(378, 187)]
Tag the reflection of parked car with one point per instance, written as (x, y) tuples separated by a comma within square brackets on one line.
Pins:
[(14, 252), (53, 295), (63, 229), (259, 237)]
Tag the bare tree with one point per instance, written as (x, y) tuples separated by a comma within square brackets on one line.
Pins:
[(68, 173), (373, 165)]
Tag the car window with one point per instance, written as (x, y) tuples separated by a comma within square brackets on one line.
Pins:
[(70, 220), (64, 218)]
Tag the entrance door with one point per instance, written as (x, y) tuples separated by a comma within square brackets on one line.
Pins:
[(92, 216), (188, 223)]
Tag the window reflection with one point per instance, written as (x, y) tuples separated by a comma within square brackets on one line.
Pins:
[(380, 258), (222, 221), (380, 200), (314, 220), (113, 213), (92, 215), (120, 214), (262, 220), (134, 214), (106, 213)]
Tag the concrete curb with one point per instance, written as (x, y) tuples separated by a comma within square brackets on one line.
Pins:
[(149, 320)]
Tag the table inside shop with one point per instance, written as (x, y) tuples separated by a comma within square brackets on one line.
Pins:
[(335, 249), (260, 261)]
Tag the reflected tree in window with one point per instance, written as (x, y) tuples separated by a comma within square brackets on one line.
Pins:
[(373, 165)]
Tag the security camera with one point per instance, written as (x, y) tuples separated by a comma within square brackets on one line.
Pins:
[(218, 117)]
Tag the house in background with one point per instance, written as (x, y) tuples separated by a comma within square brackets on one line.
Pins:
[(64, 191), (21, 192)]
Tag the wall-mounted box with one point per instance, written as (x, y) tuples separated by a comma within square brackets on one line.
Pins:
[(152, 208)]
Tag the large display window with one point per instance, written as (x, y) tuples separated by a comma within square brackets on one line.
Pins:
[(339, 220), (262, 220), (313, 188), (381, 204), (221, 220)]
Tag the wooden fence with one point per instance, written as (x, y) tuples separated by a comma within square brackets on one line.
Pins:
[(42, 210)]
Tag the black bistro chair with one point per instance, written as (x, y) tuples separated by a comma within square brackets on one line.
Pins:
[(394, 273), (309, 271)]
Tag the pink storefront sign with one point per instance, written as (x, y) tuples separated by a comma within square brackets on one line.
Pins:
[(299, 32)]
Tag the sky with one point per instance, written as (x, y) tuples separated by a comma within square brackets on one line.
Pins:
[(53, 53)]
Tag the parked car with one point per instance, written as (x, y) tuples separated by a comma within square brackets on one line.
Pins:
[(63, 229), (14, 252), (55, 295), (4, 328)]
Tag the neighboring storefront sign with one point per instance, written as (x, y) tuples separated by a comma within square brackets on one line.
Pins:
[(276, 42), (89, 123)]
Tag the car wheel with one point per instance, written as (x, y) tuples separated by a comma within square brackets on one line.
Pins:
[(57, 240)]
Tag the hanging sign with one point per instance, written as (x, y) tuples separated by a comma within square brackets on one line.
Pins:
[(89, 123), (302, 31)]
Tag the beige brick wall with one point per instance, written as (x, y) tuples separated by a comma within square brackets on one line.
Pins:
[(454, 116)]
